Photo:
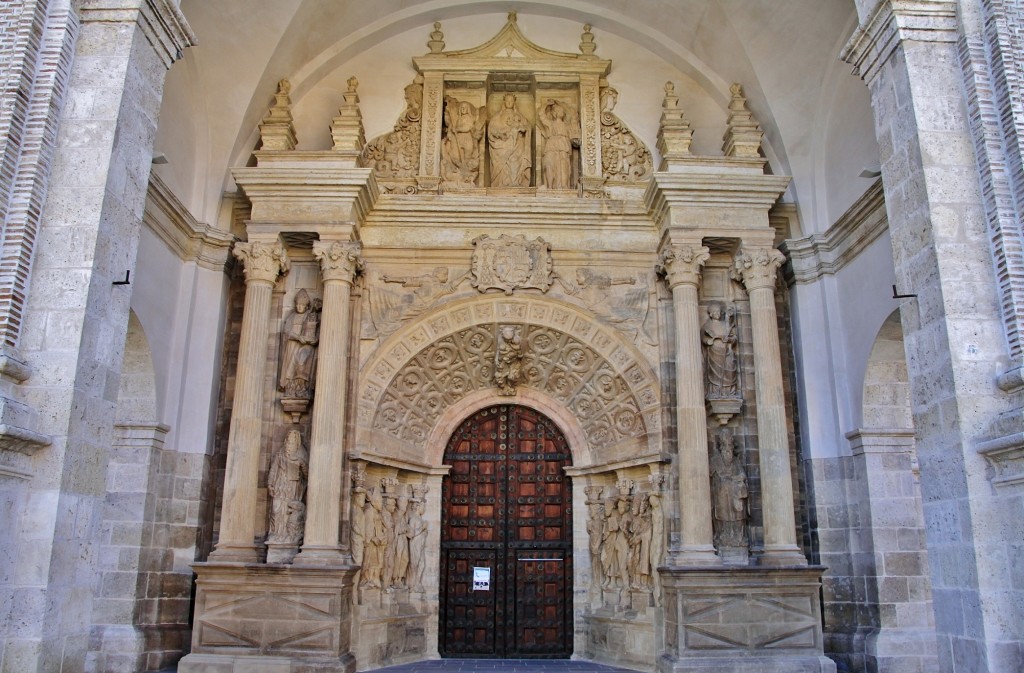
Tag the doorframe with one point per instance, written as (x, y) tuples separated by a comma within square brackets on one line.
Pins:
[(579, 448)]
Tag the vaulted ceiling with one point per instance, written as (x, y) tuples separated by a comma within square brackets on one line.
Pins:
[(816, 115)]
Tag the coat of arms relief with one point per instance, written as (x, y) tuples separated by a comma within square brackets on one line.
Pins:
[(509, 263)]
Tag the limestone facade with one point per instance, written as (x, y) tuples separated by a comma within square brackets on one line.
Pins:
[(239, 343)]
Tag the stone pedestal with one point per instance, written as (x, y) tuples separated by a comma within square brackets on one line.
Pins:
[(721, 620), (267, 619)]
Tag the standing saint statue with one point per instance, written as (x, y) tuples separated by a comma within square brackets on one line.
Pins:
[(728, 493), (460, 149), (560, 132), (508, 136), (286, 485), (417, 544), (375, 541), (300, 336), (718, 336)]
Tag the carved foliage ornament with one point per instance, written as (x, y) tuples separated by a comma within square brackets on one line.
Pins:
[(551, 361), (757, 267), (339, 260), (682, 264), (397, 154), (624, 157), (511, 262), (262, 261)]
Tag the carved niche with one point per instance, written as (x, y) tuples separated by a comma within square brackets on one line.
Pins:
[(510, 116)]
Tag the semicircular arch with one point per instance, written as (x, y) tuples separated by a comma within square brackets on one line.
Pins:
[(587, 376)]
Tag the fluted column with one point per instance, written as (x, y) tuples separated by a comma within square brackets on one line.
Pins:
[(263, 263), (756, 268), (681, 265), (339, 263)]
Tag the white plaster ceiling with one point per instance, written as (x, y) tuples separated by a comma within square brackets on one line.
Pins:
[(815, 114)]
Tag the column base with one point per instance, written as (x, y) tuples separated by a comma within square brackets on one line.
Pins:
[(321, 556), (271, 619), (695, 556), (782, 557), (231, 553), (726, 619)]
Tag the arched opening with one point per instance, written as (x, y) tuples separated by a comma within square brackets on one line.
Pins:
[(506, 538)]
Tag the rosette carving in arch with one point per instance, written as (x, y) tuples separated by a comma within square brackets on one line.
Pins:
[(568, 356)]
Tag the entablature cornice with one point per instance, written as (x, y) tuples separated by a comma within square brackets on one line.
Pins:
[(895, 21), (191, 240), (817, 255), (310, 197), (459, 68), (720, 202)]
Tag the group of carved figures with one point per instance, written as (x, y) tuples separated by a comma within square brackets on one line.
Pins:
[(627, 537), (504, 143), (509, 135), (389, 534)]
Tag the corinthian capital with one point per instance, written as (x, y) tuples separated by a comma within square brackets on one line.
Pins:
[(756, 267), (339, 260), (262, 261), (682, 264)]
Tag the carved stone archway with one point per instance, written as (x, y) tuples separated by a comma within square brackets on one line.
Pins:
[(587, 376)]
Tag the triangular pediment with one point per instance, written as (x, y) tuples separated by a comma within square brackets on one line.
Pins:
[(511, 43)]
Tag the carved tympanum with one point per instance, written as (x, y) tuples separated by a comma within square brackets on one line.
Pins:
[(554, 362)]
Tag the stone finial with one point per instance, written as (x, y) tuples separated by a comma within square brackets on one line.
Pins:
[(587, 45), (743, 134), (347, 127), (512, 17), (624, 486), (436, 41), (675, 134), (276, 130)]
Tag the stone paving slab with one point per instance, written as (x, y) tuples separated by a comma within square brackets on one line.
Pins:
[(502, 666)]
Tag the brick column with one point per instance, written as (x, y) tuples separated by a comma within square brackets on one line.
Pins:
[(264, 262), (339, 263), (756, 268), (681, 265)]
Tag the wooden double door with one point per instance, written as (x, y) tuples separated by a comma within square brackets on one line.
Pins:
[(506, 538)]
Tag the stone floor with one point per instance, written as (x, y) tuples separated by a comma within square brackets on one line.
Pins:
[(502, 666)]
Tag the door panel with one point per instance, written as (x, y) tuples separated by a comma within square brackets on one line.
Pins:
[(507, 507)]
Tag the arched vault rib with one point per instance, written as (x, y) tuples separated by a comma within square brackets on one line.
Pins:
[(573, 367)]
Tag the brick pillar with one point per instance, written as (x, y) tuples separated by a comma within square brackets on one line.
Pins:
[(910, 55), (73, 320)]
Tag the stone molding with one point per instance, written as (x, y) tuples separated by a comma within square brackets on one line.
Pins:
[(189, 239), (161, 21), (892, 22), (1006, 454), (815, 256), (887, 440)]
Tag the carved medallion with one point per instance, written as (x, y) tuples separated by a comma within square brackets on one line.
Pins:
[(511, 262)]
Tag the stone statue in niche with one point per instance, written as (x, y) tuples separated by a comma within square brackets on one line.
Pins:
[(508, 137), (508, 361), (400, 574), (640, 534), (300, 336), (595, 529), (460, 149), (728, 493), (560, 130), (389, 309), (417, 538), (286, 486), (375, 541), (390, 548), (624, 157), (358, 529), (718, 337), (615, 546), (657, 534), (397, 154)]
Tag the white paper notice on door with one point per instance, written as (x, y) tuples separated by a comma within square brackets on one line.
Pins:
[(481, 579)]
